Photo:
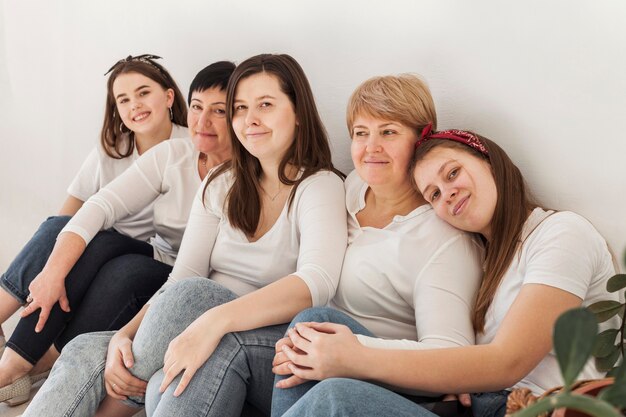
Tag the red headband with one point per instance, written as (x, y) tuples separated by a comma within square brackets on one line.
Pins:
[(461, 136)]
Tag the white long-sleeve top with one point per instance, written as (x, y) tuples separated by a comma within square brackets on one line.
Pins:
[(166, 178), (99, 169), (308, 241), (412, 283)]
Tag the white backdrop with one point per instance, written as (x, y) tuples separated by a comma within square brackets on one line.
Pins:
[(545, 79)]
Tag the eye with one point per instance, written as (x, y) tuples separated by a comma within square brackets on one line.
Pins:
[(220, 112), (144, 93), (435, 194), (359, 133), (265, 104), (453, 174), (196, 107), (240, 107), (389, 132), (122, 101)]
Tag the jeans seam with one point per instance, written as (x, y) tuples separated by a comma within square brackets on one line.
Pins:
[(86, 387)]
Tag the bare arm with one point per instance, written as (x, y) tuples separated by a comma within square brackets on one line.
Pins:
[(524, 339), (70, 206)]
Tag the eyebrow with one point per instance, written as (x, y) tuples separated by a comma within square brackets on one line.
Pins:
[(210, 104), (136, 89), (379, 126)]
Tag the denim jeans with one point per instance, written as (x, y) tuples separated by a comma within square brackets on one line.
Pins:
[(283, 399), (238, 370), (110, 282)]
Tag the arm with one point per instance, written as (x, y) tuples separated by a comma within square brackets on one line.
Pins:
[(319, 209), (70, 206), (128, 193)]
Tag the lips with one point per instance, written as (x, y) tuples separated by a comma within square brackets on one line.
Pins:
[(255, 135), (141, 116), (460, 206)]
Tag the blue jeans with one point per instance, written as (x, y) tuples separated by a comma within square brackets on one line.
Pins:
[(350, 397), (110, 282), (283, 399), (238, 371), (76, 385)]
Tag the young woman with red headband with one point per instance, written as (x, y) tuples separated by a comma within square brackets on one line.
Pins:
[(539, 263)]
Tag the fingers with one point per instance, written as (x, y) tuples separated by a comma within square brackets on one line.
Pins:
[(43, 318), (282, 369), (465, 399), (279, 358), (297, 339), (299, 359), (184, 381), (327, 327), (127, 355), (284, 341), (171, 371), (112, 393), (290, 382), (64, 303), (29, 309)]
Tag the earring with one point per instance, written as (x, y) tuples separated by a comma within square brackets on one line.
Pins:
[(171, 114)]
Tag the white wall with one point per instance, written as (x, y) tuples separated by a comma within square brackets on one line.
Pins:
[(545, 79)]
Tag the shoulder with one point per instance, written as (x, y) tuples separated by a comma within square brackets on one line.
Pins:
[(321, 181), (179, 131), (563, 227), (442, 236)]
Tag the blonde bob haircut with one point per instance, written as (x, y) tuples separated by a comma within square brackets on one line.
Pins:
[(403, 98)]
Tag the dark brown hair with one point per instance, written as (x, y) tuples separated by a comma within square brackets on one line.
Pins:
[(513, 206), (112, 134), (309, 152)]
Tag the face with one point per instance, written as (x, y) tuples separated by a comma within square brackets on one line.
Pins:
[(264, 119), (382, 150), (207, 120), (460, 187), (141, 102)]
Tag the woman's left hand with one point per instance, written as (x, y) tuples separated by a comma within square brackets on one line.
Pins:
[(189, 351), (329, 350)]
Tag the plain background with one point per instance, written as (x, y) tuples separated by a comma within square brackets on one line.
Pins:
[(545, 79)]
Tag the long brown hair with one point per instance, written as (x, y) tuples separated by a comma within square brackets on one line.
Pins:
[(112, 133), (309, 152), (513, 206)]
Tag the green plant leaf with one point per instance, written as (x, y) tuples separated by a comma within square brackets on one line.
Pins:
[(605, 342), (616, 393), (616, 283), (606, 364), (604, 310), (574, 338)]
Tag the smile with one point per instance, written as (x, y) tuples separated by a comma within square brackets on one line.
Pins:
[(460, 206), (141, 116)]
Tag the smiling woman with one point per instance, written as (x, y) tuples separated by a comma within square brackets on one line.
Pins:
[(104, 275)]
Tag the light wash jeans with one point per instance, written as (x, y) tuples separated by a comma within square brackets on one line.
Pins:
[(238, 370), (339, 397)]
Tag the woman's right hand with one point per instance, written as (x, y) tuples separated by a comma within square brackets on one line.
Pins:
[(119, 382), (280, 365), (45, 291)]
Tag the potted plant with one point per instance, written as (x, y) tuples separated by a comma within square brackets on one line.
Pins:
[(576, 339)]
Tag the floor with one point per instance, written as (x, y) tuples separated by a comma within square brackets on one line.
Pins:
[(5, 410)]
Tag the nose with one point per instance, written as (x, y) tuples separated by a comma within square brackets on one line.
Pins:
[(373, 143), (251, 118), (205, 118), (136, 104), (450, 193)]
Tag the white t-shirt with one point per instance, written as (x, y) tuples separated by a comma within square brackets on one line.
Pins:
[(308, 241), (99, 169), (562, 250), (165, 178), (412, 283)]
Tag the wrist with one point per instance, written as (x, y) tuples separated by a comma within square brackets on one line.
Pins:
[(219, 321)]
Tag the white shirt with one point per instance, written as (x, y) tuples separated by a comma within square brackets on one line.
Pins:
[(165, 178), (308, 241), (412, 283), (562, 250), (99, 169)]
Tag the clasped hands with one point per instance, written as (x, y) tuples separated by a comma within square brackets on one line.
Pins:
[(315, 351)]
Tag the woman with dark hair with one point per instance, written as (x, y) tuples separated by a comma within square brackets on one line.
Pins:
[(105, 275), (539, 263), (269, 231)]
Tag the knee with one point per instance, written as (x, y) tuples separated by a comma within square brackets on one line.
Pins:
[(316, 314), (55, 224), (86, 351), (198, 290)]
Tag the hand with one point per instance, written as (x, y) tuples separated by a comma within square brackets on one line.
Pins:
[(119, 382), (189, 351), (329, 351), (280, 365), (464, 399), (45, 291)]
